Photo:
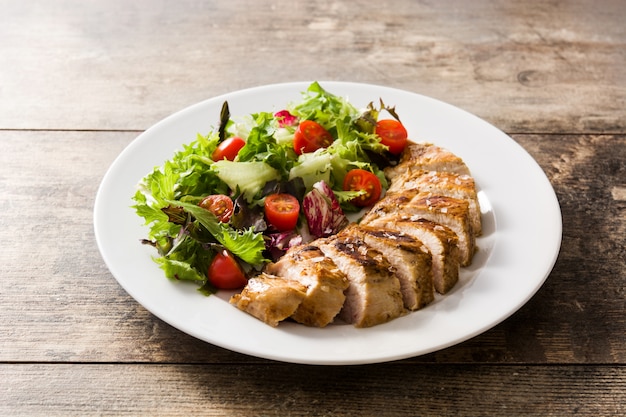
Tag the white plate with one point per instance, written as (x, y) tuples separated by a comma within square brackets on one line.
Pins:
[(521, 240)]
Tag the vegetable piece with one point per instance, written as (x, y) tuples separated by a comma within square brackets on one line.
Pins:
[(225, 273), (228, 149), (311, 136), (261, 145), (224, 121), (285, 118), (281, 211), (362, 180), (249, 177), (220, 205), (278, 243), (322, 211), (312, 167), (392, 134), (246, 244), (325, 108)]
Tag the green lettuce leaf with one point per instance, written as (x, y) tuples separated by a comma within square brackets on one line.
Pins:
[(248, 178), (323, 107), (246, 245)]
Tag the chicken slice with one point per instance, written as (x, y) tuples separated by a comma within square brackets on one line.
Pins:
[(443, 183), (410, 258), (427, 157), (325, 284), (373, 296), (269, 298), (391, 203), (448, 211), (440, 241)]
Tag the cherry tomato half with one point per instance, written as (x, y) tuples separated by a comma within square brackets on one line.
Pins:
[(225, 272), (359, 179), (311, 136), (228, 149), (392, 134), (281, 211), (219, 204)]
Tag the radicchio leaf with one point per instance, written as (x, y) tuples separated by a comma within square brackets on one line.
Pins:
[(323, 212), (278, 243), (285, 118)]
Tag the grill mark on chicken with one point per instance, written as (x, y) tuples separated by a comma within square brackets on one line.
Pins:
[(427, 157), (447, 184), (448, 211), (325, 284), (410, 258), (373, 296), (440, 241), (391, 203)]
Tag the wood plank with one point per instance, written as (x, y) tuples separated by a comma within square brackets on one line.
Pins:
[(108, 65), (182, 390), (63, 305)]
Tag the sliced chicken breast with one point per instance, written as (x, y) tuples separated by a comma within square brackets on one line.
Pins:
[(373, 296), (410, 258), (443, 183), (448, 211), (440, 240), (427, 157), (325, 283), (391, 203), (269, 298)]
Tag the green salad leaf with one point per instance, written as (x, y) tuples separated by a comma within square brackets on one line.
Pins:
[(247, 245)]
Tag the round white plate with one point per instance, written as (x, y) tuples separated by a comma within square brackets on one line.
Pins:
[(519, 246)]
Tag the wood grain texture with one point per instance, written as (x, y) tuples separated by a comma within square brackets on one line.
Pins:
[(71, 64), (63, 305), (281, 390)]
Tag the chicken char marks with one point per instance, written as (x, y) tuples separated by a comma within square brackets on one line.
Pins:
[(409, 246), (373, 296), (325, 283)]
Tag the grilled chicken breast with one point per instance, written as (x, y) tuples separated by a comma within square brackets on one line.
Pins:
[(391, 203), (440, 241), (427, 157), (325, 284), (410, 258), (448, 211), (443, 183), (373, 296), (269, 298), (410, 245)]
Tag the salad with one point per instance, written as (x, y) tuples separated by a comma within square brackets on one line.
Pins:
[(238, 197)]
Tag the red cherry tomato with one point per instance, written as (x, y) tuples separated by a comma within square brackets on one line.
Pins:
[(219, 204), (228, 149), (359, 179), (311, 136), (281, 211), (392, 134), (225, 272)]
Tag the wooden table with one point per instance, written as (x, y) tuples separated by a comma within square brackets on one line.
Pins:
[(79, 80)]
